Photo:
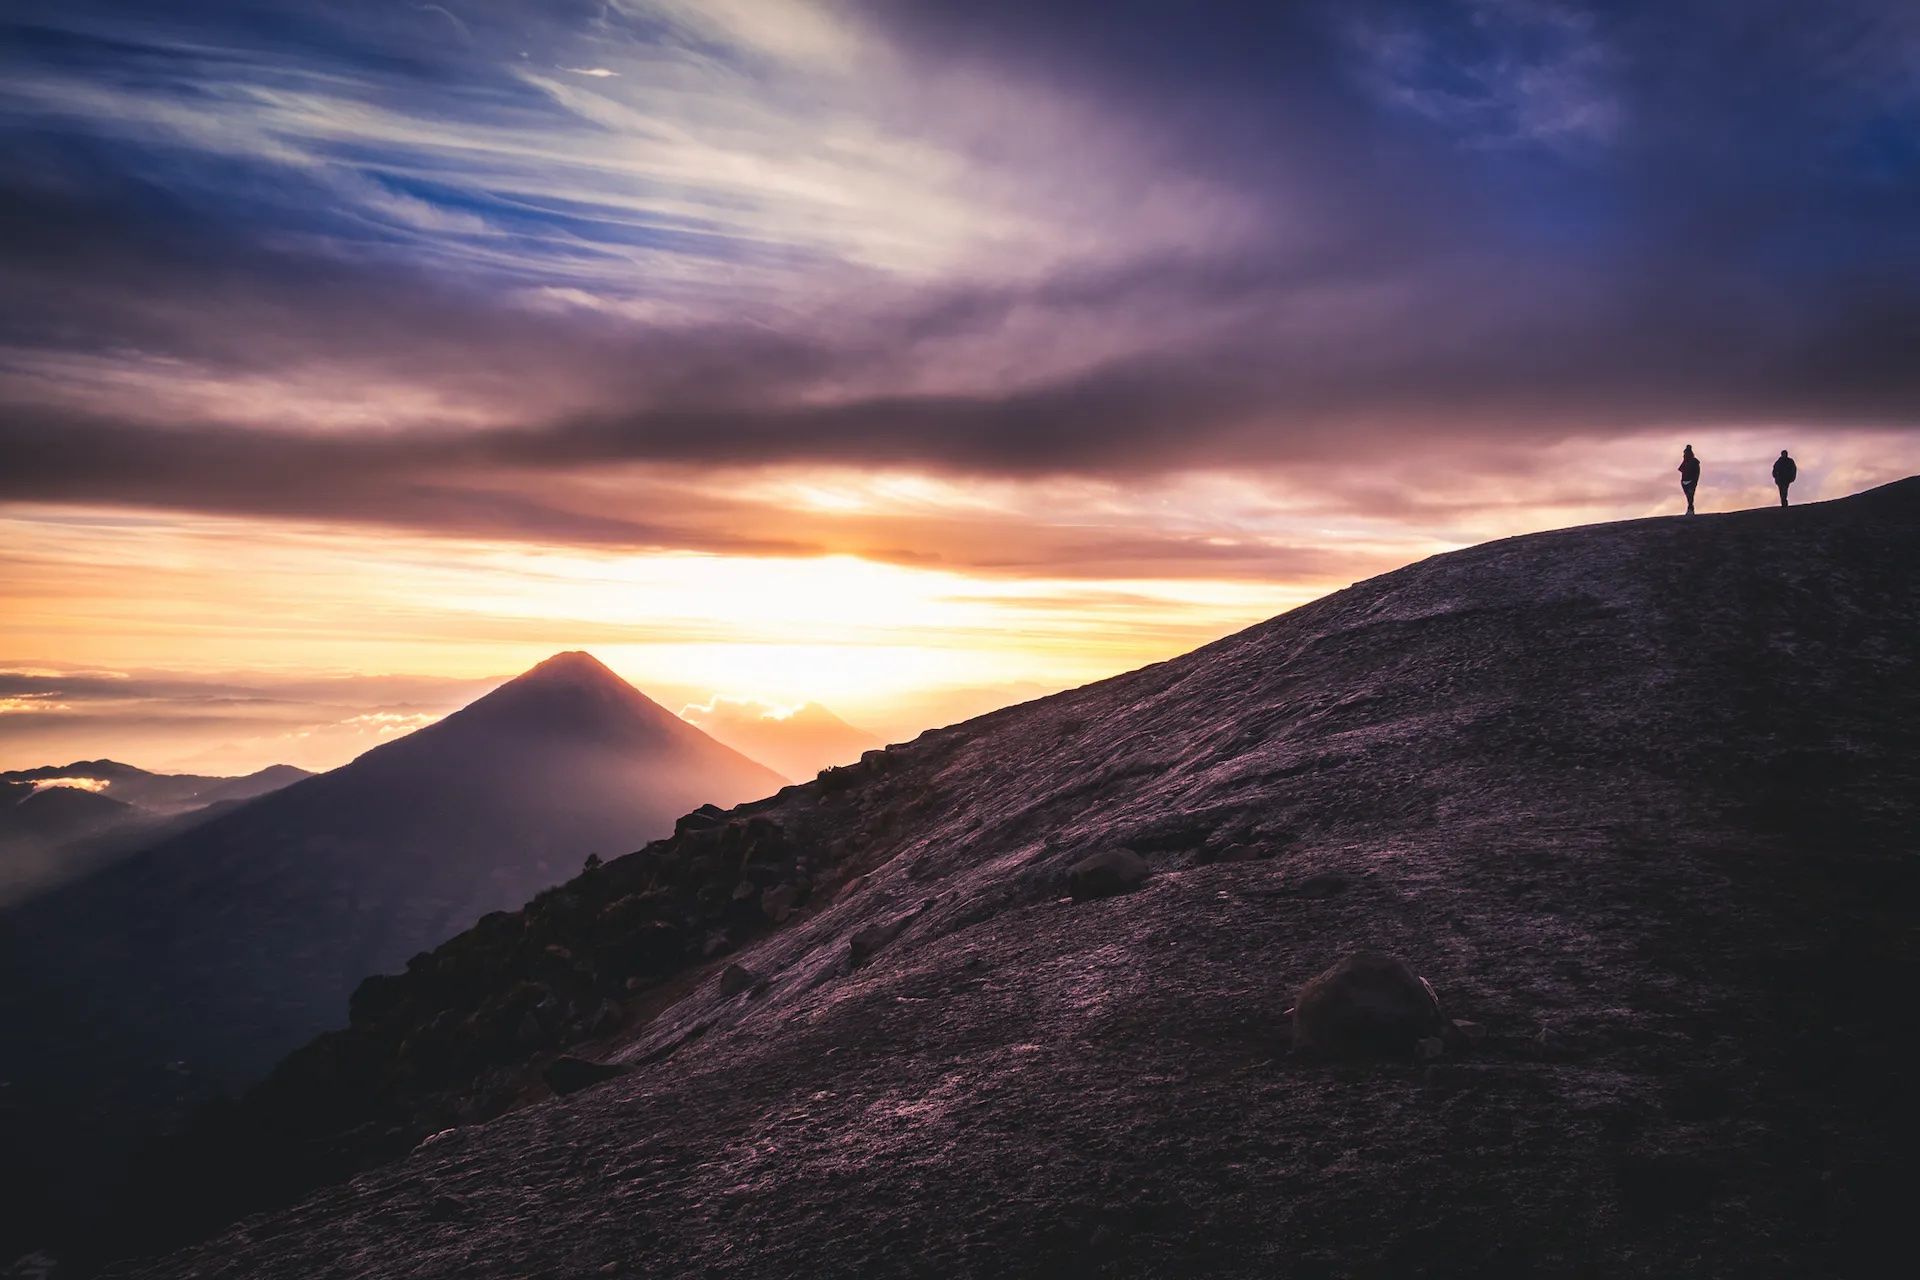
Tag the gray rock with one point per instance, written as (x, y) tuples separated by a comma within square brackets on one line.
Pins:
[(778, 902), (1104, 874), (1367, 1003), (568, 1074), (736, 978), (1324, 884), (862, 946)]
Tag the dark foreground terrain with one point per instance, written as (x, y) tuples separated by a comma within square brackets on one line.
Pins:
[(1641, 799)]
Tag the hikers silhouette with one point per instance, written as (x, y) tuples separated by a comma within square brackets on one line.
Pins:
[(1689, 475), (1783, 474)]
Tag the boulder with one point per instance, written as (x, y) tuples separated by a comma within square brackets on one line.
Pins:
[(701, 819), (1104, 874), (862, 945), (736, 978), (376, 998), (568, 1074), (1367, 1003), (778, 902), (1322, 884)]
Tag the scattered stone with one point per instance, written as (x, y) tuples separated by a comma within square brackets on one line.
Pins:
[(446, 1208), (701, 819), (1465, 1034), (862, 946), (1367, 1003), (1322, 884), (567, 1074), (1107, 873), (778, 902), (837, 778), (736, 978), (606, 1017)]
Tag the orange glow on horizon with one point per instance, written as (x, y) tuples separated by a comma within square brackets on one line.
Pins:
[(970, 595)]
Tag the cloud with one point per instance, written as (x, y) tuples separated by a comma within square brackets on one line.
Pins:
[(795, 741), (198, 723), (77, 784), (384, 723), (341, 268), (31, 704)]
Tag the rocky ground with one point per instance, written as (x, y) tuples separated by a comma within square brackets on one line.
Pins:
[(1641, 800)]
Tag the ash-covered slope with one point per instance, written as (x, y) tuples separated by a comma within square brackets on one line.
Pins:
[(1641, 798)]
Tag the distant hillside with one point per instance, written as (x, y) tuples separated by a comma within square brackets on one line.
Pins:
[(798, 744), (161, 792), (1640, 800), (226, 945), (61, 822)]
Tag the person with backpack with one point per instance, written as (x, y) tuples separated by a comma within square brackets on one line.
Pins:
[(1690, 475), (1783, 474)]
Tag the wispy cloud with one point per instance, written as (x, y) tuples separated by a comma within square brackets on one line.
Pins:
[(1065, 319), (1505, 73)]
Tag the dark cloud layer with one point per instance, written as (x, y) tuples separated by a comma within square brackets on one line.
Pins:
[(1487, 224)]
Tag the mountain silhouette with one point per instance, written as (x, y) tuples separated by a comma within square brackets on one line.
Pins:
[(52, 830), (229, 944), (1638, 800), (163, 793)]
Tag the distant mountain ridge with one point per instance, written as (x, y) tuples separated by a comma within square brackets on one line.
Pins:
[(226, 945), (51, 832), (164, 792)]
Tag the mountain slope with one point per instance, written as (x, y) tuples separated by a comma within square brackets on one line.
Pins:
[(163, 792), (63, 831), (1640, 798), (229, 944)]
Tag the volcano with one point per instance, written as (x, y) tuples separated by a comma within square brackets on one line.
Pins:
[(1639, 801), (230, 944)]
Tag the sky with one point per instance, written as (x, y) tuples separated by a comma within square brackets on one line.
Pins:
[(908, 357)]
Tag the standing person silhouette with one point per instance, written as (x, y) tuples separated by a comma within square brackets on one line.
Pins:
[(1689, 475), (1783, 474)]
